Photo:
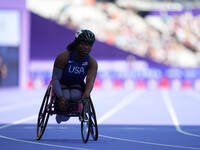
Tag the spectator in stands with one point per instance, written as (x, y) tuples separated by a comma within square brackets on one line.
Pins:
[(132, 32)]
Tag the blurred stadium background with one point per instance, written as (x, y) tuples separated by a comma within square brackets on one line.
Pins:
[(141, 44)]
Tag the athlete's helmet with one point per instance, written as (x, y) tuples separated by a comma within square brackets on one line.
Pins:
[(86, 36)]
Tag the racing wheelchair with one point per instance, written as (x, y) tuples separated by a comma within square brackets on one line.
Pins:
[(84, 109)]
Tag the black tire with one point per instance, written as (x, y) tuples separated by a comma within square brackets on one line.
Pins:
[(43, 115), (93, 122), (85, 124)]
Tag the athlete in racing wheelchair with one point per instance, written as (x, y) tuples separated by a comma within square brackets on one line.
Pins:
[(68, 95)]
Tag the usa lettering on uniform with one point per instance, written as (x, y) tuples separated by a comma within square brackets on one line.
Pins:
[(76, 69)]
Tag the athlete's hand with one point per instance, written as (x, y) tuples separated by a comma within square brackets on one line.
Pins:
[(62, 103), (85, 95), (85, 99)]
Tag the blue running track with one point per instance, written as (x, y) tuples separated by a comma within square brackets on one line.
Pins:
[(128, 119)]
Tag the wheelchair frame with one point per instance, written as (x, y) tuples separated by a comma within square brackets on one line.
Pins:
[(88, 115)]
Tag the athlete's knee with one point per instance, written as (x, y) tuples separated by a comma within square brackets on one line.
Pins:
[(66, 94), (75, 94)]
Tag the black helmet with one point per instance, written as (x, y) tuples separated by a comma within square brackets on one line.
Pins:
[(86, 36)]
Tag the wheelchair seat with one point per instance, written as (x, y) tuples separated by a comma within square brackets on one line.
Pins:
[(74, 107)]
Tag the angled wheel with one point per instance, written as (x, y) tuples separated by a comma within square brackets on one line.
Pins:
[(43, 115), (85, 123), (93, 122)]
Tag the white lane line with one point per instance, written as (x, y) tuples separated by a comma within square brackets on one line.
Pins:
[(170, 108), (43, 144), (186, 133), (79, 148), (149, 143), (20, 121), (31, 142), (16, 106), (19, 104), (172, 113), (124, 102)]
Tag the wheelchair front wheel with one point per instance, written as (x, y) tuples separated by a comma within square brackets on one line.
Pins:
[(93, 122), (85, 123)]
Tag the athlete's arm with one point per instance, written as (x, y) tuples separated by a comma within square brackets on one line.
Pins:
[(91, 76), (58, 68), (56, 77)]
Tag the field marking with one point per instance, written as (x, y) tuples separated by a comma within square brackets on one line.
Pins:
[(19, 104), (124, 102), (19, 121), (16, 106), (31, 142), (149, 143), (79, 148), (172, 113), (170, 109), (43, 144)]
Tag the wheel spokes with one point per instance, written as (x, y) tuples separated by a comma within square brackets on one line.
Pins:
[(44, 113)]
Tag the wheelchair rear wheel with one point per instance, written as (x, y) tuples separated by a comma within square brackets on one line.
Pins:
[(44, 113)]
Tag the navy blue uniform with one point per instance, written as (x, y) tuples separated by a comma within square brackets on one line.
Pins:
[(75, 71)]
